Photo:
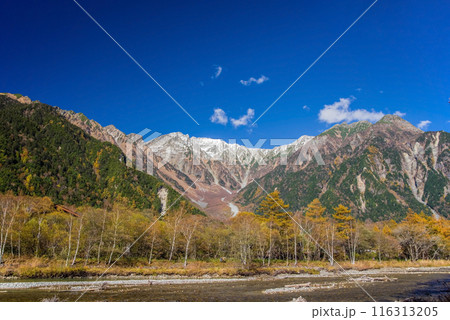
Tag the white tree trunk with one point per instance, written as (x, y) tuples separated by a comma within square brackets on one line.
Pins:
[(295, 247), (101, 238), (186, 252), (5, 228), (78, 241), (70, 241), (172, 246), (38, 237), (151, 250)]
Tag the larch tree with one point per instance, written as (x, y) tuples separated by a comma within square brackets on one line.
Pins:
[(347, 231), (314, 225), (274, 211)]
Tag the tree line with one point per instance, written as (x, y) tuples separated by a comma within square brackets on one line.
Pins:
[(32, 227)]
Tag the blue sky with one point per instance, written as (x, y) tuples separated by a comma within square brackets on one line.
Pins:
[(233, 56)]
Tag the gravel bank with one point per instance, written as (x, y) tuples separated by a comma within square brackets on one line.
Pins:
[(148, 281), (29, 285)]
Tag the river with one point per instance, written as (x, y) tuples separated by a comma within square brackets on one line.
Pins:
[(322, 288)]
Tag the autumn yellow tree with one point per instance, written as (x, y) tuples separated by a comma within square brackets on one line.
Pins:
[(385, 244), (347, 231), (415, 235), (274, 211), (315, 227)]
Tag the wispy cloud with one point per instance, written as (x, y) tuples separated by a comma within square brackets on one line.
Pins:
[(399, 113), (219, 116), (340, 111), (305, 107), (423, 124), (260, 80), (217, 73), (243, 120)]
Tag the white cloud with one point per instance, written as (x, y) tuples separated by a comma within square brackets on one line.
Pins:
[(305, 107), (423, 124), (251, 80), (243, 120), (400, 114), (340, 111), (217, 72), (219, 116), (358, 89)]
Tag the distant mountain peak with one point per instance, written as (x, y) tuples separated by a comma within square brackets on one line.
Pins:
[(397, 122), (390, 118)]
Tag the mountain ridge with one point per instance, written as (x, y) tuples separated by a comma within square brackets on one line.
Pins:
[(396, 133), (379, 169)]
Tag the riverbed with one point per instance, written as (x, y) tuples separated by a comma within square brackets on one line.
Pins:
[(400, 285)]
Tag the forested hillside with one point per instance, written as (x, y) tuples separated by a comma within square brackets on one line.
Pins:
[(42, 154)]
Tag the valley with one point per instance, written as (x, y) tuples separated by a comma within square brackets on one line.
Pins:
[(381, 170)]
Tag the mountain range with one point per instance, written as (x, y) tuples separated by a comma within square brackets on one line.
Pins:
[(379, 170)]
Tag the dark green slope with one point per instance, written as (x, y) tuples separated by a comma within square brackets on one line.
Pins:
[(43, 154)]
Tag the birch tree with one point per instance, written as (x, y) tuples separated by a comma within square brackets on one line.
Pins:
[(80, 228), (116, 223), (173, 223), (188, 229), (9, 208), (245, 226)]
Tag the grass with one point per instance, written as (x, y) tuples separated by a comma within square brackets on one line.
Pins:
[(40, 268), (375, 264)]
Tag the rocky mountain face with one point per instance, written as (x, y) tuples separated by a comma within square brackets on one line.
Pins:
[(379, 170), (210, 171)]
